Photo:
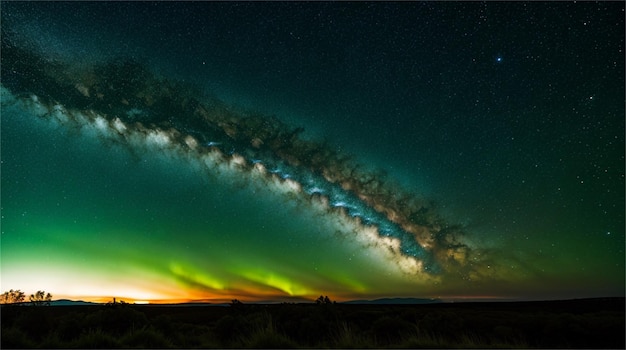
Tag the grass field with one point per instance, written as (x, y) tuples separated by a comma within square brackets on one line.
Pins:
[(586, 323)]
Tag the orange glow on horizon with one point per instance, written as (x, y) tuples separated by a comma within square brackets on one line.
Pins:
[(215, 300)]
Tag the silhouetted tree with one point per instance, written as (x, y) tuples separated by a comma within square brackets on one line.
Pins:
[(12, 297), (323, 299), (116, 303), (41, 298)]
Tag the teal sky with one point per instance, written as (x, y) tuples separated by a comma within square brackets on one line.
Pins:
[(503, 122)]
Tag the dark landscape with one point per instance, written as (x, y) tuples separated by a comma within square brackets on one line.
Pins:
[(582, 323)]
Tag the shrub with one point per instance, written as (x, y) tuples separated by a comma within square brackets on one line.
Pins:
[(186, 335), (265, 336), (422, 339), (14, 338), (425, 339), (313, 330), (163, 323), (228, 328), (347, 337), (390, 329), (52, 341), (442, 322), (146, 337), (71, 326), (35, 324), (96, 339), (116, 321)]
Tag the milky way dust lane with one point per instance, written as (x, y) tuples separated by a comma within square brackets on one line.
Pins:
[(123, 102)]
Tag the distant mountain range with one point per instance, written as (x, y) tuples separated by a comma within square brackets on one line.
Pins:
[(67, 302), (394, 301)]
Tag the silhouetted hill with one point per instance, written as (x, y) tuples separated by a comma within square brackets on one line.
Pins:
[(394, 301), (67, 302)]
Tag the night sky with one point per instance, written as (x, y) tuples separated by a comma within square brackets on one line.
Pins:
[(279, 151)]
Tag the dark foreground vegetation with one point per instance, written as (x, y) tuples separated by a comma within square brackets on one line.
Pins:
[(589, 323)]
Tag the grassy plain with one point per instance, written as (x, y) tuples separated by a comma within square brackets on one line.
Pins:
[(585, 323)]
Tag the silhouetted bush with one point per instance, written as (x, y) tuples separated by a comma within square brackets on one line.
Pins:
[(164, 324), (186, 335), (14, 338), (443, 322), (36, 324), (390, 329), (264, 335), (313, 329), (347, 337), (116, 321), (228, 328), (71, 326), (146, 337), (96, 339), (505, 332)]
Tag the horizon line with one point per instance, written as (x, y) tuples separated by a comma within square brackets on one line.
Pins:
[(129, 301)]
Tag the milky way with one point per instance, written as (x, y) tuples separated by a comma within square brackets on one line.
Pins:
[(124, 103)]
